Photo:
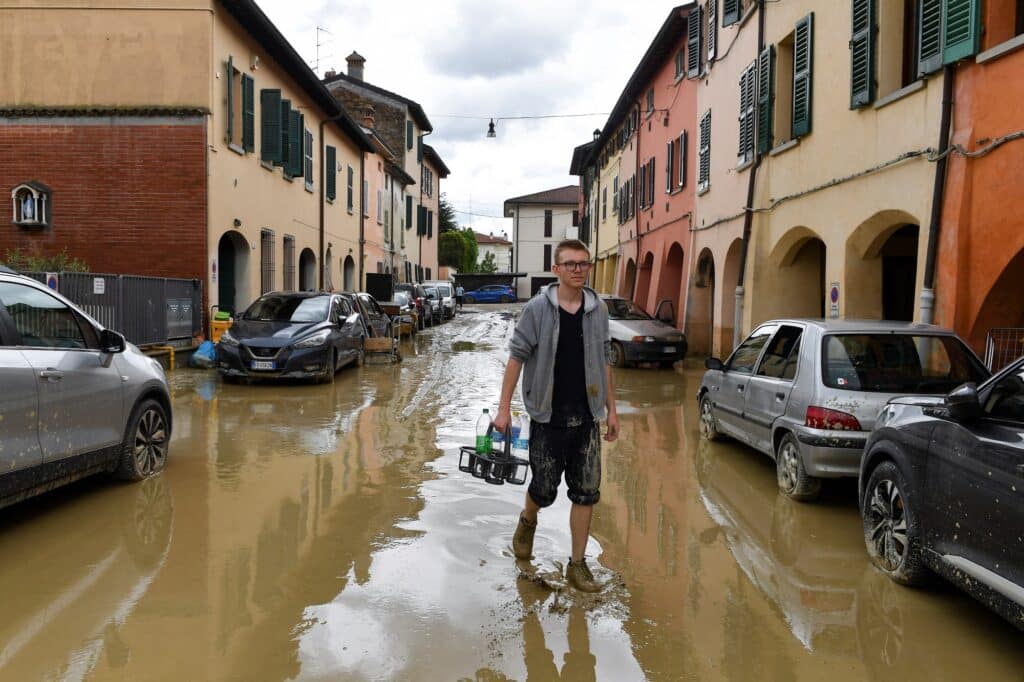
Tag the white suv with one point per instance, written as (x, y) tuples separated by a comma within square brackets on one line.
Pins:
[(446, 290)]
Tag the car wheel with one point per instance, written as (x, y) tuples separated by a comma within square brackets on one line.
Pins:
[(891, 529), (330, 369), (506, 299), (708, 424), (793, 479), (469, 299), (144, 450), (617, 358)]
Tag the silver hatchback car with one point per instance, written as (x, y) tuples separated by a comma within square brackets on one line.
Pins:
[(76, 398), (808, 392)]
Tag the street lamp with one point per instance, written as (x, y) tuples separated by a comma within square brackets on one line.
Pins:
[(490, 129)]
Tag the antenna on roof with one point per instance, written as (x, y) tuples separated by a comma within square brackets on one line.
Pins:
[(316, 64)]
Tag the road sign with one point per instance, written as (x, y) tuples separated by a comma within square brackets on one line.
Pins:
[(52, 280), (833, 300)]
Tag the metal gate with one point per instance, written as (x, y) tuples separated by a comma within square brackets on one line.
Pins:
[(1003, 346)]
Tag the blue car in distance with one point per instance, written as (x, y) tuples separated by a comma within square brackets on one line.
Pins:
[(492, 293)]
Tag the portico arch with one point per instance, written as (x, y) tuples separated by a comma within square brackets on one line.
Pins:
[(233, 276), (881, 267), (796, 288)]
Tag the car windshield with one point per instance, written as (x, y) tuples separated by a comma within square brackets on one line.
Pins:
[(898, 363), (444, 290), (401, 298), (621, 309), (289, 309), (431, 292)]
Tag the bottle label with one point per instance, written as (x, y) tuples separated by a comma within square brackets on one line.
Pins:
[(483, 445)]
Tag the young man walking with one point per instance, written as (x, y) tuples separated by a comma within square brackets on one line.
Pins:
[(561, 346)]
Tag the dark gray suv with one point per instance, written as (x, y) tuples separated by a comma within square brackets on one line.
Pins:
[(77, 399)]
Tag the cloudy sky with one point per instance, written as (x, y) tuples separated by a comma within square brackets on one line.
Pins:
[(465, 58)]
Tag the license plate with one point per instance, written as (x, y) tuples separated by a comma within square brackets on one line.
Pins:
[(263, 364), (670, 349)]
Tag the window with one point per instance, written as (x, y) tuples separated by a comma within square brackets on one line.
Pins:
[(365, 198), (782, 117), (712, 12), (704, 163), (270, 126), (732, 12), (294, 141), (307, 158), (745, 153), (408, 135), (650, 101), (576, 213), (694, 58), (380, 209), (285, 117), (41, 320), (745, 357), (408, 212), (765, 98), (331, 172), (862, 53), (241, 109), (289, 263), (803, 62), (547, 257), (1006, 401), (683, 146), (430, 224), (547, 223), (680, 62), (897, 363), (780, 357), (604, 209), (266, 261), (615, 195), (351, 198)]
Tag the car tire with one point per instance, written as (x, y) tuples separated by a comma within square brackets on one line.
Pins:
[(506, 299), (791, 474), (229, 378), (469, 300), (146, 441), (892, 532), (708, 423), (360, 358), (330, 369), (618, 355)]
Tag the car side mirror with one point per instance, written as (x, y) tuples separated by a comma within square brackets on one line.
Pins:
[(962, 403), (714, 363), (112, 342)]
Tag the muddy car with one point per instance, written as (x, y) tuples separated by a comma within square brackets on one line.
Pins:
[(807, 392)]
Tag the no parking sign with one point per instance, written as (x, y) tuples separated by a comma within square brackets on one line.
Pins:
[(833, 300), (52, 280)]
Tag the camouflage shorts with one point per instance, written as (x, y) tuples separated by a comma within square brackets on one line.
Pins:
[(572, 450)]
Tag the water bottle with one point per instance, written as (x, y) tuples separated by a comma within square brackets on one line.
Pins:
[(514, 429), (521, 444), (483, 439)]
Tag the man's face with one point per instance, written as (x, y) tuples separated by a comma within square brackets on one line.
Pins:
[(572, 268)]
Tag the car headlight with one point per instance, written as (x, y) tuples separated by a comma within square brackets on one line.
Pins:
[(227, 339), (318, 339), (643, 339)]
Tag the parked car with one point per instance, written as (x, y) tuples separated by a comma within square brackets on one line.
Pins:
[(419, 297), (446, 291), (379, 321), (293, 335), (77, 399), (403, 313), (491, 293), (436, 304), (942, 489), (807, 392), (637, 337)]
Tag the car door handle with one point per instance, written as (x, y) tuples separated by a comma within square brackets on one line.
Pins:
[(739, 387), (780, 396), (51, 374)]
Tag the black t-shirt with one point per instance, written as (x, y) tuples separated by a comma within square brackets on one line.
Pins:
[(569, 403)]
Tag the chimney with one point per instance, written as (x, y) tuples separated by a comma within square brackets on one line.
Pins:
[(330, 73), (597, 133), (355, 65), (368, 116)]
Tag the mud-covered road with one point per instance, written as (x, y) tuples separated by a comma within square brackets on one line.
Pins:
[(325, 532)]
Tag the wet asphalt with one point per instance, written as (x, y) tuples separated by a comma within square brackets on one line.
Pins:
[(326, 533)]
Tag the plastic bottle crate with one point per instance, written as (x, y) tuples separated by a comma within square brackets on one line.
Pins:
[(496, 468)]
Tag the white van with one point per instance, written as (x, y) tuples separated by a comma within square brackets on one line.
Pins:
[(446, 290)]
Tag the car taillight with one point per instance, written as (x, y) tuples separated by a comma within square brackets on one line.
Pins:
[(830, 420)]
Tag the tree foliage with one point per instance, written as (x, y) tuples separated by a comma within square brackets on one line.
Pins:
[(451, 250), (469, 238), (34, 262), (445, 215), (488, 264)]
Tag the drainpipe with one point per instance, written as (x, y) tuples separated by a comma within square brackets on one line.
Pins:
[(748, 216), (362, 218), (938, 196)]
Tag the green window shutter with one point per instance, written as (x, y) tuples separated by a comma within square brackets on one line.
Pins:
[(730, 12), (270, 125), (331, 172), (712, 13), (693, 26), (286, 115), (248, 113), (408, 135), (408, 212), (682, 159), (669, 158), (961, 29), (351, 198), (862, 53), (803, 75), (419, 150), (704, 162), (929, 37), (765, 99), (308, 157), (231, 101), (294, 167)]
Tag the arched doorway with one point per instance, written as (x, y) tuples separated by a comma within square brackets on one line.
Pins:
[(727, 291), (233, 272), (899, 274), (799, 289), (628, 279), (307, 271), (881, 268), (611, 269), (349, 270), (643, 280), (701, 307), (328, 275), (670, 280)]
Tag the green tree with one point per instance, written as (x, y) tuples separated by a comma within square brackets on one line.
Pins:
[(488, 264), (470, 254), (451, 250), (445, 215)]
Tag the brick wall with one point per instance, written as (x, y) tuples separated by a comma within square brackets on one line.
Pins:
[(126, 198), (389, 116)]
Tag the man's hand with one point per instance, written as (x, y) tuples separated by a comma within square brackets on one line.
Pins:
[(613, 428), (502, 419)]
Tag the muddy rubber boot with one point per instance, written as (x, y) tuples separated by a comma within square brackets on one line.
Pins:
[(579, 576), (522, 541)]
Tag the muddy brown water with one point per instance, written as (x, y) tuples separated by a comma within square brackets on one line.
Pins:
[(325, 533)]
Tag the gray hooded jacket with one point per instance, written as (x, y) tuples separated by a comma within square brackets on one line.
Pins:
[(535, 341)]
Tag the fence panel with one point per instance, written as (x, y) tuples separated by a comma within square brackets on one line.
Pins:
[(1003, 346)]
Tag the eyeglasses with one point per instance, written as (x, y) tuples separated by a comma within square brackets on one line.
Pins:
[(575, 265)]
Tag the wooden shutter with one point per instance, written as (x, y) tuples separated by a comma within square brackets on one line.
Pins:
[(704, 165), (350, 189), (651, 174), (331, 173), (576, 216), (408, 134), (547, 222), (746, 115), (430, 224), (669, 160), (248, 113), (408, 212), (862, 53), (803, 75), (294, 167), (712, 29), (693, 31), (308, 157), (961, 35), (730, 12), (765, 98), (682, 158), (929, 37), (286, 115), (547, 257), (230, 134), (270, 125), (419, 150)]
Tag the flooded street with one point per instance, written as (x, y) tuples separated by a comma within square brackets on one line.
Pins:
[(326, 533)]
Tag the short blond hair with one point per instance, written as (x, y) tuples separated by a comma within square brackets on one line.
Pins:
[(570, 245)]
